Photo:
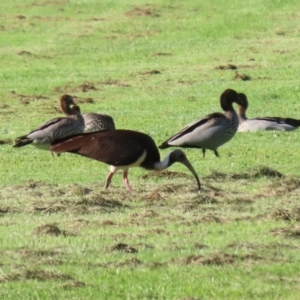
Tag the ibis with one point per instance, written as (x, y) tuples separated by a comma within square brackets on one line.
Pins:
[(121, 149)]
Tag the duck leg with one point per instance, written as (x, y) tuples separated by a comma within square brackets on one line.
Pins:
[(216, 153), (203, 151), (126, 181)]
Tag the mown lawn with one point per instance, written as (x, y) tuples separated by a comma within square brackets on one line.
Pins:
[(154, 67)]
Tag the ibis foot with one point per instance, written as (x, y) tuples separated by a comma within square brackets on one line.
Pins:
[(108, 179), (126, 181)]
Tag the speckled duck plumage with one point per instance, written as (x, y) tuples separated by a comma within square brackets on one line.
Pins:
[(96, 122)]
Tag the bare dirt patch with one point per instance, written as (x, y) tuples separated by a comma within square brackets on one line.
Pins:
[(23, 52), (226, 67), (146, 11), (69, 88), (49, 229), (241, 76), (154, 197), (234, 67), (124, 248), (162, 54), (6, 142), (150, 72), (85, 87), (26, 99), (80, 100), (114, 82)]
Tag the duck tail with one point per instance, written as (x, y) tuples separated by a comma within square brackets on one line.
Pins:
[(164, 145), (22, 141)]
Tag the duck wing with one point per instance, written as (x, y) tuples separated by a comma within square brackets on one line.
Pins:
[(205, 122)]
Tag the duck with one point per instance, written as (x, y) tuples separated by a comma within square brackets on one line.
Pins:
[(121, 149), (211, 131), (262, 123), (55, 128), (96, 122)]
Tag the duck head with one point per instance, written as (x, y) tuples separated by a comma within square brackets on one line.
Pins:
[(65, 103), (243, 106), (227, 98)]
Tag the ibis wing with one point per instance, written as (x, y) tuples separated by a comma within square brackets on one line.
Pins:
[(109, 147)]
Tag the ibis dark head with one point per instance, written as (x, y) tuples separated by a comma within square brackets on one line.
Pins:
[(227, 98), (179, 156)]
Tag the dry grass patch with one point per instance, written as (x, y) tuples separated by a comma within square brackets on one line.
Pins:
[(208, 218), (217, 259), (72, 284), (285, 185), (50, 229), (253, 173), (124, 248), (165, 174), (292, 231), (281, 214), (39, 275)]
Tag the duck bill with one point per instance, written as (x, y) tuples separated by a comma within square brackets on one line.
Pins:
[(190, 167)]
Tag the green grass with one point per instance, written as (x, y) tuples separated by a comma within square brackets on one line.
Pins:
[(63, 236)]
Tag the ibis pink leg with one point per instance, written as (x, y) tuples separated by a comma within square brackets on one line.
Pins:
[(108, 179), (126, 181)]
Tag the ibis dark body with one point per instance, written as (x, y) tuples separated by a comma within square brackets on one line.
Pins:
[(117, 148), (121, 149), (263, 123)]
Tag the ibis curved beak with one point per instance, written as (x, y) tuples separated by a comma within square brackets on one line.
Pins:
[(190, 167)]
